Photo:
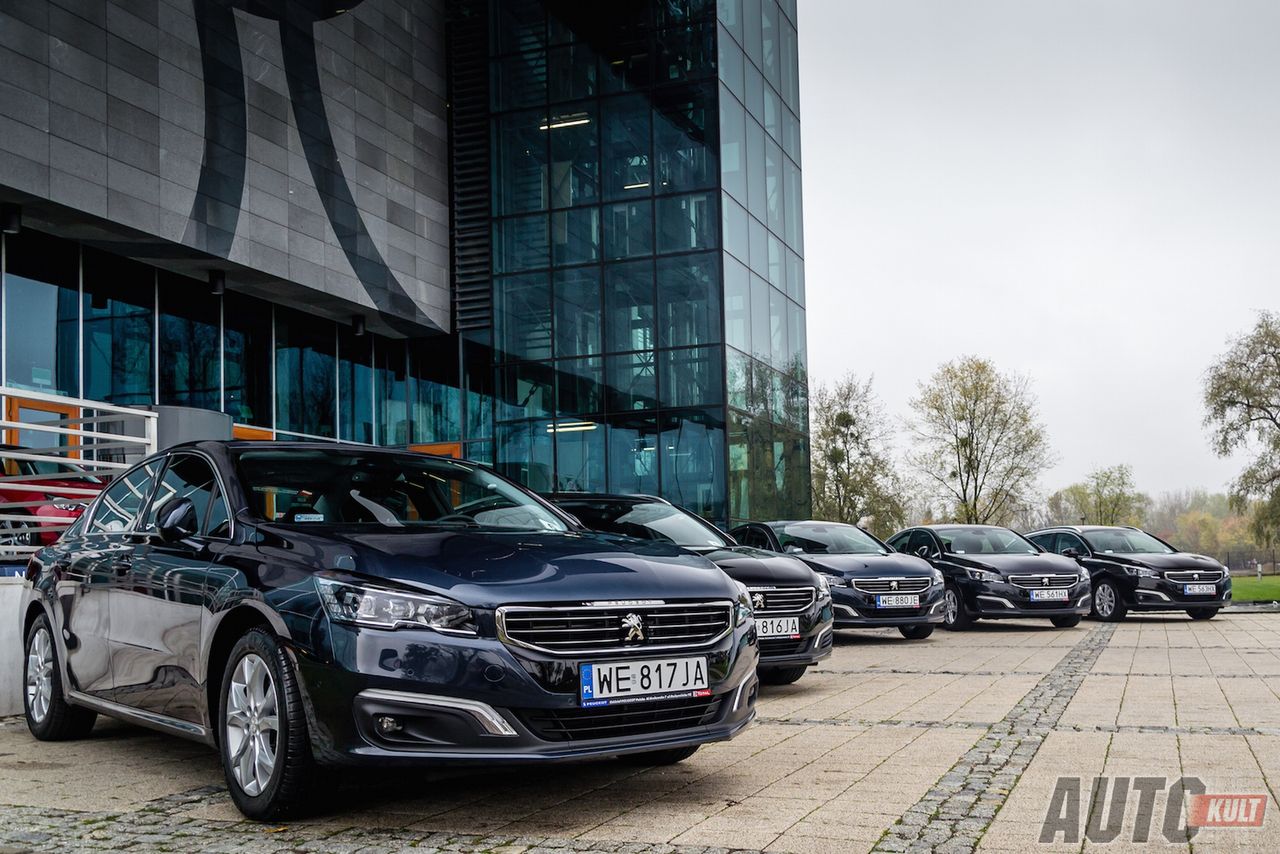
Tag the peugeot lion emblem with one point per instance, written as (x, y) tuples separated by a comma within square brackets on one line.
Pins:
[(893, 585), (1044, 581), (757, 601), (1195, 576), (634, 627)]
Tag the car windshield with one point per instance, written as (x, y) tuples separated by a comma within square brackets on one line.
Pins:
[(646, 520), (1126, 542), (307, 487), (986, 541), (828, 538)]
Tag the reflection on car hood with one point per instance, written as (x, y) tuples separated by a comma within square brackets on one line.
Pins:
[(1030, 564), (485, 569), (869, 566), (1177, 560), (759, 567)]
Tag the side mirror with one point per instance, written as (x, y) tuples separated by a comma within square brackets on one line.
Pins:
[(176, 520)]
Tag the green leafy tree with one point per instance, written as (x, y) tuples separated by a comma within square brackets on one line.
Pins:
[(854, 476), (1106, 497), (1242, 410), (979, 443)]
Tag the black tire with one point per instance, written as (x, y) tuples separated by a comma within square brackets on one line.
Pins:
[(1202, 613), (919, 632), (285, 792), (957, 618), (1108, 606), (51, 718), (1069, 621), (660, 757), (782, 675)]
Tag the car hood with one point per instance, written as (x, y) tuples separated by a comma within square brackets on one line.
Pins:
[(1017, 564), (759, 567), (1177, 560), (487, 569), (869, 566)]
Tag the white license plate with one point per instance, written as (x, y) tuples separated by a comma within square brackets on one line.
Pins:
[(778, 627), (899, 600), (618, 682), (1199, 589), (1052, 595)]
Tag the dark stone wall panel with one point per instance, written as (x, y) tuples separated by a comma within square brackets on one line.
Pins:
[(305, 150)]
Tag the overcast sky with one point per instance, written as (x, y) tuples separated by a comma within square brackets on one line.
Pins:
[(1087, 192)]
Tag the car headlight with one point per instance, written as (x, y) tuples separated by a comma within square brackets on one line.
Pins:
[(935, 576), (742, 610), (1141, 572), (380, 608), (824, 586), (984, 575)]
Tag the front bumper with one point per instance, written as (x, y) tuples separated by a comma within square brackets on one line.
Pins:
[(813, 644), (1160, 594), (463, 699), (855, 609), (993, 600)]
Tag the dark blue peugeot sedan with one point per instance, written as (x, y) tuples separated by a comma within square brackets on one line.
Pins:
[(293, 604)]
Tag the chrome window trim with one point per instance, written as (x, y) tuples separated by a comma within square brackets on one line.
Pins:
[(485, 715), (500, 618)]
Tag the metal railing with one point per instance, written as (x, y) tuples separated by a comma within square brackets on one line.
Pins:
[(57, 454)]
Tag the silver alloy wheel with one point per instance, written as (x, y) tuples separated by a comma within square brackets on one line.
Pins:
[(1104, 600), (40, 675), (15, 533), (951, 604), (253, 724)]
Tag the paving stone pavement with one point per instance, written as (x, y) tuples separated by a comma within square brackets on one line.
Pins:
[(945, 745)]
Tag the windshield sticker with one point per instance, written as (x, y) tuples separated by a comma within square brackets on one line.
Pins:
[(309, 517)]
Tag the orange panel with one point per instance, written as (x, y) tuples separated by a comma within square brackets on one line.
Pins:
[(14, 407), (240, 431), (440, 449)]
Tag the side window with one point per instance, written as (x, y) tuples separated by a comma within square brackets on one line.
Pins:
[(921, 539), (749, 535), (1044, 541), (188, 476), (122, 501), (899, 542), (1068, 541)]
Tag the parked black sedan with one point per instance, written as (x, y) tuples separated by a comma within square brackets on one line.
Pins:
[(871, 586), (792, 603), (994, 573), (1132, 570), (296, 603)]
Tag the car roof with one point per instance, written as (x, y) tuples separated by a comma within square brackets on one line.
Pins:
[(964, 525), (637, 498), (1082, 529)]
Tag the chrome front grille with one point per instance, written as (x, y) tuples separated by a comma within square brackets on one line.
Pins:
[(781, 600), (615, 627), (1037, 581), (892, 585), (1191, 576)]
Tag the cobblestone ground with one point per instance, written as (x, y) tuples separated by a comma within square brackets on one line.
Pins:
[(947, 744)]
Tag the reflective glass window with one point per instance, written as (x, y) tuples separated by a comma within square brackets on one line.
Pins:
[(575, 236), (246, 345), (688, 222), (761, 340), (751, 22), (42, 313), (526, 391), (738, 378), (737, 234), (757, 192), (119, 329), (522, 316), (754, 85), (190, 349), (393, 381), (122, 502), (633, 381), (794, 276), (578, 310), (691, 376), (625, 65), (790, 66), (774, 253), (520, 243), (629, 306), (686, 53), (797, 340), (518, 25), (682, 11), (518, 80), (628, 229), (733, 147), (773, 185), (778, 352), (770, 47), (793, 206), (187, 476), (520, 162), (575, 156), (626, 158), (772, 120), (759, 247), (477, 384), (685, 139), (731, 64), (729, 13), (688, 300), (580, 456), (791, 135), (435, 410), (571, 72), (580, 386), (692, 447), (737, 305), (524, 451), (306, 373), (633, 454), (355, 387)]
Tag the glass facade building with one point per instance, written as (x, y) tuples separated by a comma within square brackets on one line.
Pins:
[(625, 254)]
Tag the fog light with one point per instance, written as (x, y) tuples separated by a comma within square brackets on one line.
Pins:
[(387, 725)]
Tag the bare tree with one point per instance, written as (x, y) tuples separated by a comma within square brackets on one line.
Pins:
[(854, 475), (1242, 403), (979, 444)]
